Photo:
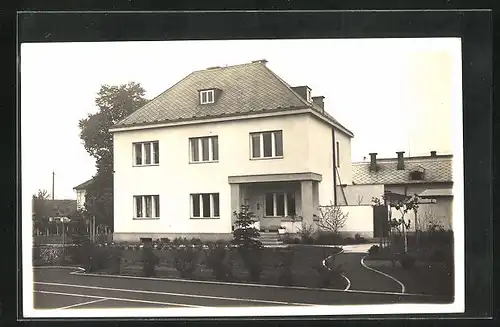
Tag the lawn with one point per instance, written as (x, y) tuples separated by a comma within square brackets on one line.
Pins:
[(306, 266)]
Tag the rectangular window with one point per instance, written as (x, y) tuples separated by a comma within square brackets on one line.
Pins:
[(146, 153), (280, 204), (147, 206), (204, 149), (207, 96), (290, 201), (337, 157), (215, 147), (269, 204), (205, 205), (267, 144)]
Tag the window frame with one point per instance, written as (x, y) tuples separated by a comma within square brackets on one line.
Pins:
[(207, 93), (261, 145), (212, 210), (199, 146), (152, 154), (155, 207), (285, 204)]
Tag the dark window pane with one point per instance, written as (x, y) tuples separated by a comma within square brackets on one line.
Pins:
[(269, 205), (279, 143), (280, 204), (156, 151), (196, 204), (195, 155), (149, 207), (147, 150), (157, 205), (255, 145), (204, 145), (215, 148), (215, 197), (203, 97), (210, 97), (290, 199), (206, 204), (267, 145), (138, 154), (138, 206)]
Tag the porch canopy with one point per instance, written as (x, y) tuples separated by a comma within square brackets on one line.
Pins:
[(305, 185)]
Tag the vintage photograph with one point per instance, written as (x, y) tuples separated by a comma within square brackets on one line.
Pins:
[(239, 177)]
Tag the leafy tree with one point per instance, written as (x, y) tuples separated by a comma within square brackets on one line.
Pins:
[(114, 103), (41, 210)]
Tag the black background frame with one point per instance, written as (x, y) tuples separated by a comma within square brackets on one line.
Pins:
[(474, 27)]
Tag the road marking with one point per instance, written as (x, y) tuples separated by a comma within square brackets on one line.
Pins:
[(403, 289), (208, 282), (168, 293), (120, 299), (84, 303), (348, 283), (59, 267), (179, 280)]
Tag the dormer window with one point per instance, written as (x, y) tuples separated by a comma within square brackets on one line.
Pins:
[(417, 174), (207, 96)]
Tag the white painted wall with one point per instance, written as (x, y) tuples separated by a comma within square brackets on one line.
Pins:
[(321, 157), (360, 220), (174, 178)]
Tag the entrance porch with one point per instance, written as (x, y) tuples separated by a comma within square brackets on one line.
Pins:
[(277, 200)]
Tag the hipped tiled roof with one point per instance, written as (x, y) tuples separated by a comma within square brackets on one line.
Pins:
[(436, 169), (245, 89), (83, 185)]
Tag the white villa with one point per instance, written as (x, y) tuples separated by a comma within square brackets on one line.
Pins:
[(219, 138)]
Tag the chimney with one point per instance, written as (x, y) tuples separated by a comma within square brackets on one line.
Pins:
[(304, 92), (319, 101), (401, 162), (433, 153), (373, 161)]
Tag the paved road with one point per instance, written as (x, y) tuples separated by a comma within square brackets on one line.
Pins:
[(57, 288)]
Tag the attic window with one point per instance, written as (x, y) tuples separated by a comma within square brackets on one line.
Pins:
[(417, 174), (207, 96), (308, 95)]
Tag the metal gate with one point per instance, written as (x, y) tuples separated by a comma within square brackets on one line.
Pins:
[(380, 221)]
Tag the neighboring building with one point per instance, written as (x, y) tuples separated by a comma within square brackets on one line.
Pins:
[(219, 138), (80, 193), (430, 177), (55, 211)]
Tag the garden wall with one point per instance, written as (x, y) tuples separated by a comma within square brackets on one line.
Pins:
[(359, 221)]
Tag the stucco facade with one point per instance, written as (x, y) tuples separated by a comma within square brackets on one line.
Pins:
[(307, 149)]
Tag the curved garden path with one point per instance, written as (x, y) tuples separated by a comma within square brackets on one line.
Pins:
[(363, 278)]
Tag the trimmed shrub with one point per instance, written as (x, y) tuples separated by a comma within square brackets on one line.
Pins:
[(252, 259), (185, 261), (285, 266), (149, 261), (374, 249), (407, 261), (216, 260), (326, 238)]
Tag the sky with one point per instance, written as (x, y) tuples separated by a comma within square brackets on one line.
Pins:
[(393, 94)]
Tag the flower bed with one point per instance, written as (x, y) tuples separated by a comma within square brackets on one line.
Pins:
[(295, 265)]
